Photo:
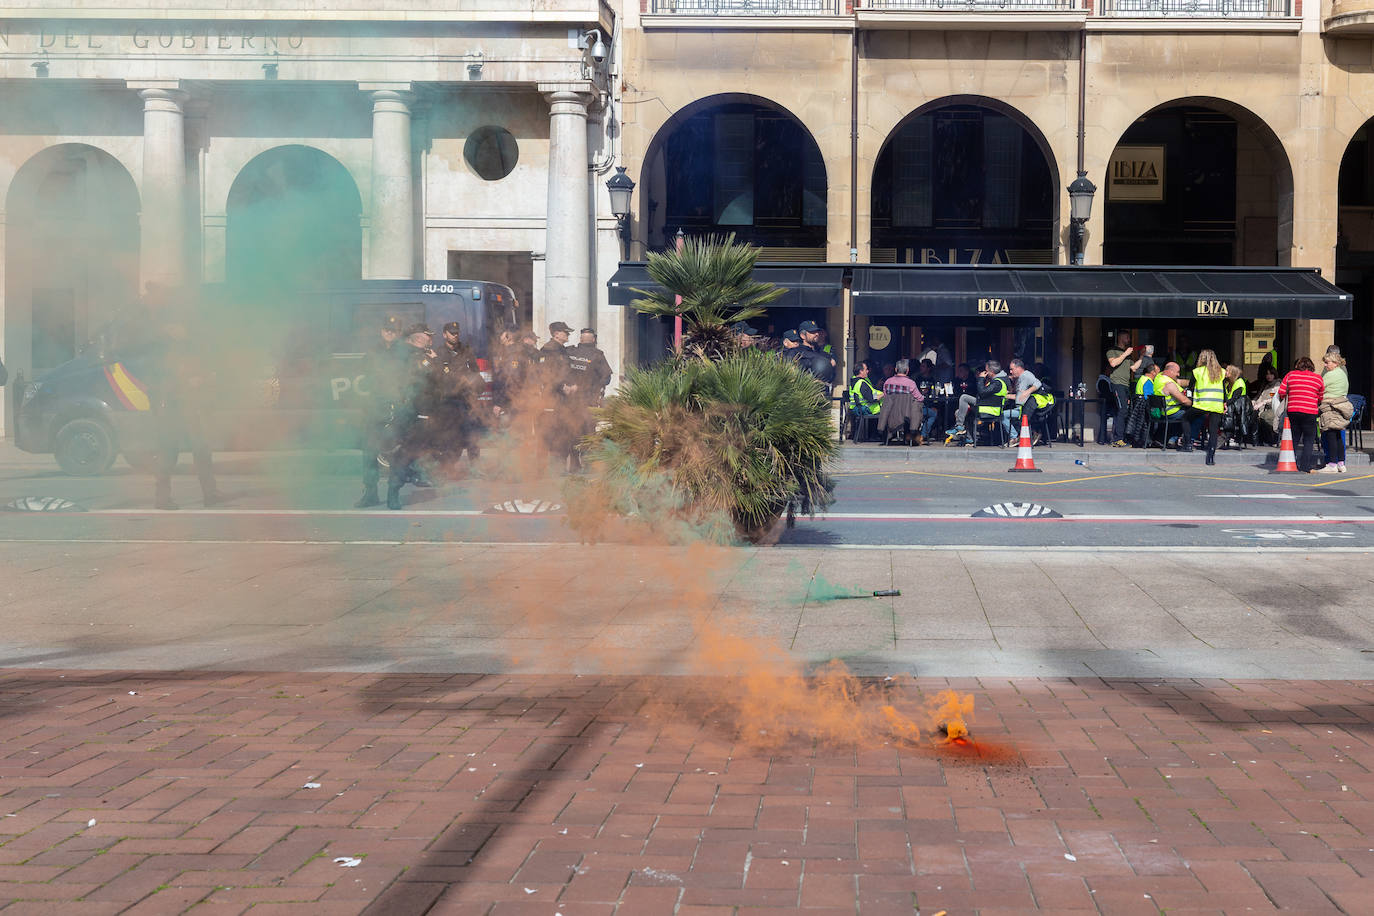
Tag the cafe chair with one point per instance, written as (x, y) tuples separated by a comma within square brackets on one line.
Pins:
[(1158, 419)]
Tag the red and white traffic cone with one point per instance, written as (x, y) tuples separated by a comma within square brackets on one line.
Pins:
[(1287, 460), (1024, 461)]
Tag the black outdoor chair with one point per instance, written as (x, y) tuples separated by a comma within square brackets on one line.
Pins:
[(1354, 435), (862, 426), (1158, 418)]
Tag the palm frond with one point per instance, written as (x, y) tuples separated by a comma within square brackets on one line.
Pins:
[(713, 275)]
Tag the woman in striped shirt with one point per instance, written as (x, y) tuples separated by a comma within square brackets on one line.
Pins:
[(1302, 391)]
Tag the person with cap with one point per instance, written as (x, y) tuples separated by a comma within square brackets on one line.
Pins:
[(459, 425), (588, 368), (381, 371), (589, 373), (416, 402), (813, 362), (810, 333), (556, 388), (745, 334), (178, 401), (511, 364)]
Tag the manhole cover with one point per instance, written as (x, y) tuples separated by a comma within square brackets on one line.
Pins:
[(525, 507), (42, 504), (1016, 510)]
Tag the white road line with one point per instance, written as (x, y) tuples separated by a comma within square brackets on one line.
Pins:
[(1282, 496), (1193, 550), (1209, 519), (191, 542), (359, 513)]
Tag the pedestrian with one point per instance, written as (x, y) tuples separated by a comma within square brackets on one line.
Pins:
[(416, 401), (179, 402), (989, 398), (1302, 390), (863, 400), (1209, 400), (381, 370), (822, 365), (1335, 411), (1119, 362)]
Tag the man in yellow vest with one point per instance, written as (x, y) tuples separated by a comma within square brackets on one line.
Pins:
[(1166, 384)]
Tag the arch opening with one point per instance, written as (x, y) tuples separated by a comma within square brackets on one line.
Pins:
[(962, 180), (1355, 253), (71, 253), (292, 221), (741, 164)]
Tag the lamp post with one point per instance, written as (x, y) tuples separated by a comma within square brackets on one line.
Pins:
[(1081, 191), (621, 188)]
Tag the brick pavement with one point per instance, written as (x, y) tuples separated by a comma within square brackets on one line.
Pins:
[(502, 795)]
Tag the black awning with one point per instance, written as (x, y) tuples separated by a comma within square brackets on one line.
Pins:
[(808, 285), (988, 291)]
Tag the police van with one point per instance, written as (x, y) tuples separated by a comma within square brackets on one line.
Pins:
[(283, 372)]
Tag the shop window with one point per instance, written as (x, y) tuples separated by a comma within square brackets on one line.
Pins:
[(491, 152)]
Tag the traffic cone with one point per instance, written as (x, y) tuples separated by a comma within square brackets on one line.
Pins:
[(1287, 460), (1024, 461)]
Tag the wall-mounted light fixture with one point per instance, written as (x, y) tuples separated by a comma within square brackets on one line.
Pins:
[(475, 67), (40, 66), (1081, 191), (621, 188), (269, 71)]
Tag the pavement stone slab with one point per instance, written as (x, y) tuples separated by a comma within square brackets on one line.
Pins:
[(177, 791)]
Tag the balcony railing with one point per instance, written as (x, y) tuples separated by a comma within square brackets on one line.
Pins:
[(1197, 9), (748, 7), (974, 6)]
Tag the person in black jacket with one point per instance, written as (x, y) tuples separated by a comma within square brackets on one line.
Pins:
[(416, 402), (382, 366)]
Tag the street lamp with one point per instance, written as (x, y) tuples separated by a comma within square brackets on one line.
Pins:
[(1081, 192), (621, 188)]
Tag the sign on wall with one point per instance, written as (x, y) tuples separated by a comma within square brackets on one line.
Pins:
[(1136, 173), (879, 336)]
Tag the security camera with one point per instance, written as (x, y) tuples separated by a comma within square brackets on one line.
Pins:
[(598, 47)]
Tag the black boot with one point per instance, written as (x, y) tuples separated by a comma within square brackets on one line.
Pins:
[(393, 497), (368, 499)]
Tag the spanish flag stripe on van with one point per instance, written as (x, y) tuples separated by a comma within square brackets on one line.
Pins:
[(132, 393)]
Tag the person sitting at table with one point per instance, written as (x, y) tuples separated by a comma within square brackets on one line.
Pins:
[(931, 391), (1032, 397), (964, 381), (900, 403), (988, 398)]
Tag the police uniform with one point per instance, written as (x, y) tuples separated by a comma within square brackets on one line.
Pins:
[(177, 405), (382, 368), (415, 405), (458, 425)]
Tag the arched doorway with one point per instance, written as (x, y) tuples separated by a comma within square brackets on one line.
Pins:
[(963, 180), (1201, 182), (1355, 255), (71, 258), (292, 220), (741, 164)]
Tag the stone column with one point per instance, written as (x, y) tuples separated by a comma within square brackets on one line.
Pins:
[(163, 213), (392, 248), (567, 245)]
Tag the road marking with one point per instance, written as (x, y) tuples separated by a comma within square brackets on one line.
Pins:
[(1283, 496), (1284, 534), (1339, 478), (447, 545), (1193, 551), (1210, 519)]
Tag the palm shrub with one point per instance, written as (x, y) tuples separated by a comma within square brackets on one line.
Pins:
[(714, 276), (699, 448)]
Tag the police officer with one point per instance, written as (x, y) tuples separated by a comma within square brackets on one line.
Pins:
[(416, 402), (382, 366), (551, 376), (462, 384), (588, 369), (178, 403), (811, 337), (812, 361)]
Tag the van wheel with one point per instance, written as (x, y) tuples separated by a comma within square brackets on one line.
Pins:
[(85, 447)]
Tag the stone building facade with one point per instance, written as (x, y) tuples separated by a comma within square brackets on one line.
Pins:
[(275, 141), (425, 141), (1260, 102)]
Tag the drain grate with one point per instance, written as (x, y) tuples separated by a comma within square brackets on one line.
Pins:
[(1016, 510), (42, 504)]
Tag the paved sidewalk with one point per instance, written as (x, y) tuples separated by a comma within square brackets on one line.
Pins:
[(145, 793), (556, 608)]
